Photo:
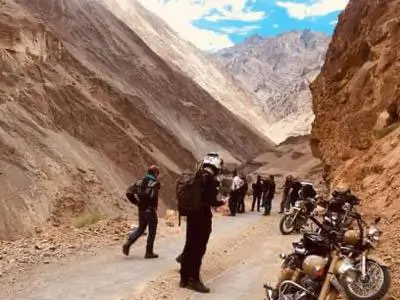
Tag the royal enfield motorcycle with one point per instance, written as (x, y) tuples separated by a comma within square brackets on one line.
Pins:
[(326, 264), (339, 210), (375, 279), (297, 218)]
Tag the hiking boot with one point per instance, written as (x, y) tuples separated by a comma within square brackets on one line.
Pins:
[(183, 283), (179, 259), (150, 255), (125, 249), (197, 286)]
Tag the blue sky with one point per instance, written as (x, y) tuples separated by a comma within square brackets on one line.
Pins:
[(215, 24)]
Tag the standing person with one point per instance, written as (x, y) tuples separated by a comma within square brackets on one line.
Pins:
[(294, 193), (257, 193), (285, 203), (144, 193), (242, 194), (199, 225), (237, 183), (269, 195)]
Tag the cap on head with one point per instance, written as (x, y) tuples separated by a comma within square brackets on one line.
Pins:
[(153, 169)]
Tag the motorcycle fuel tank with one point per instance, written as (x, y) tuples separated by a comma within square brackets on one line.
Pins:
[(314, 266), (351, 237)]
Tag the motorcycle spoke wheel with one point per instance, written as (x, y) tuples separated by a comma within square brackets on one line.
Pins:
[(289, 223), (372, 284)]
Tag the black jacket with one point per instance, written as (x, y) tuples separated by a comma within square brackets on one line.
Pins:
[(286, 187), (294, 192), (269, 189), (257, 188), (210, 188), (244, 188)]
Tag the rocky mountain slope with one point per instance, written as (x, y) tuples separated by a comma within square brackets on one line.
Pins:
[(356, 101), (86, 104), (193, 62), (278, 70)]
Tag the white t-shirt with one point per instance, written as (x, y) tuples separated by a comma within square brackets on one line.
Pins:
[(237, 183)]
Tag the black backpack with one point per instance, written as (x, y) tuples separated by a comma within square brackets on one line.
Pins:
[(137, 191), (188, 192)]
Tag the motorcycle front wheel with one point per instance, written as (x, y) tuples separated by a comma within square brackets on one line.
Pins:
[(374, 287), (286, 224)]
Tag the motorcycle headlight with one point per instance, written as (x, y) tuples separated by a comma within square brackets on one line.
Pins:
[(374, 233), (347, 271)]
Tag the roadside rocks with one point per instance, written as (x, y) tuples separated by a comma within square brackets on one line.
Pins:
[(44, 247), (49, 246)]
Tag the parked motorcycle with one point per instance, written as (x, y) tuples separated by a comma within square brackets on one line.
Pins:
[(297, 217), (299, 214), (335, 261), (375, 279), (339, 210)]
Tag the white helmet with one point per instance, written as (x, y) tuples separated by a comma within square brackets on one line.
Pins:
[(213, 159)]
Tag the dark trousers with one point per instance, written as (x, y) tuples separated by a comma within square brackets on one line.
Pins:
[(233, 204), (285, 203), (241, 206), (146, 218), (198, 232), (256, 198), (267, 205)]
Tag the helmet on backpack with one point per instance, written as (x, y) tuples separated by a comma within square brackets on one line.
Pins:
[(213, 160)]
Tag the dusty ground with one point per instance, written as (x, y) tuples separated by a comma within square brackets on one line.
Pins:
[(242, 250)]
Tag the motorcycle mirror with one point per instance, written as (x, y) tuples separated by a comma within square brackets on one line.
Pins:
[(282, 255), (377, 220)]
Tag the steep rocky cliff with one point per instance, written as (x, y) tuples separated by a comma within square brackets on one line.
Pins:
[(86, 105), (278, 70), (356, 101)]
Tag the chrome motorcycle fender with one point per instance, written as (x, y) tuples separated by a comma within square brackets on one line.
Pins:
[(378, 260)]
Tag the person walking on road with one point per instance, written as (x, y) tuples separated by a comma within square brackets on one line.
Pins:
[(285, 203), (269, 194), (257, 193), (234, 196), (199, 226), (144, 194)]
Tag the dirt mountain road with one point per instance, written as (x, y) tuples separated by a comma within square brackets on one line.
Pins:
[(242, 255)]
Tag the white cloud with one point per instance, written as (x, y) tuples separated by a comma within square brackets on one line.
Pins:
[(333, 22), (244, 30), (180, 15), (275, 25), (316, 8)]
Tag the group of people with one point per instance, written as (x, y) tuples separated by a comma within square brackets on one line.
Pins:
[(144, 194), (263, 193)]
